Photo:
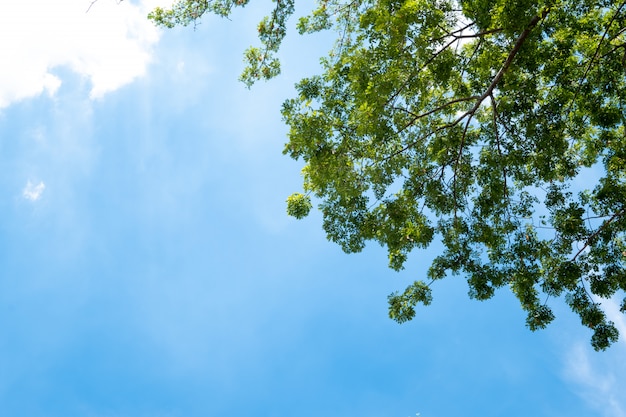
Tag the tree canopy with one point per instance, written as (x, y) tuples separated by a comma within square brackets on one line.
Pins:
[(495, 127)]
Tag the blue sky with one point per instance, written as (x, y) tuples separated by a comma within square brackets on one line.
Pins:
[(148, 267)]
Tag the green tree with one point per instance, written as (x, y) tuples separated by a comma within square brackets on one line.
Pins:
[(494, 126)]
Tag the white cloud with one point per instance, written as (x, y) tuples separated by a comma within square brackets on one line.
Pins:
[(110, 45), (611, 308), (33, 192), (598, 378)]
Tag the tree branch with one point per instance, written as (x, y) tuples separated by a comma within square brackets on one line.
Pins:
[(509, 59), (95, 1), (594, 234), (595, 55), (497, 137), (488, 92), (428, 113)]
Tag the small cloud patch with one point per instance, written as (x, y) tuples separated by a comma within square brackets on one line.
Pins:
[(32, 191)]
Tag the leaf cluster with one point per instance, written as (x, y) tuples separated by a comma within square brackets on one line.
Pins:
[(262, 63), (469, 123), (494, 127)]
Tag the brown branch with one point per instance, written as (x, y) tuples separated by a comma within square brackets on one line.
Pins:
[(456, 163), (426, 136), (594, 234), (473, 35), (595, 55), (497, 137), (509, 59), (95, 1), (440, 51), (343, 7), (420, 69), (450, 33), (615, 48), (428, 113), (344, 32), (488, 92), (479, 34), (471, 57)]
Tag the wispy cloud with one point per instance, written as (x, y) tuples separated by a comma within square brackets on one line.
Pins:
[(32, 191), (611, 308), (110, 45), (598, 378)]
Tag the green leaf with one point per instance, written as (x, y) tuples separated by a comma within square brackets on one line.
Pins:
[(462, 127), (298, 205)]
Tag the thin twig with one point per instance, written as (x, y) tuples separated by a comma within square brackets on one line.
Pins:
[(489, 91), (497, 137), (594, 234), (595, 55), (94, 2)]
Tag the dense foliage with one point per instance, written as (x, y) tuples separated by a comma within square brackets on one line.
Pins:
[(494, 126)]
